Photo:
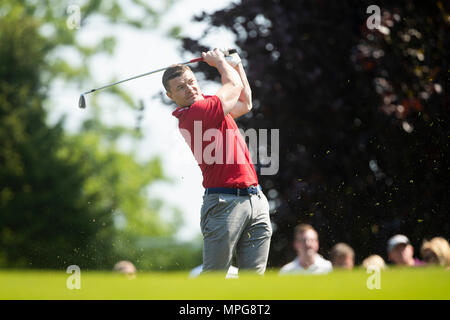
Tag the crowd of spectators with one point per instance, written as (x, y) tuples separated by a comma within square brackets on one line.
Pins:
[(399, 252)]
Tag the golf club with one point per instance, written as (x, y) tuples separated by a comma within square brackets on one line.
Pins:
[(82, 101)]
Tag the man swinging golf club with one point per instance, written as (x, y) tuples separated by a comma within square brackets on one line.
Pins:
[(235, 212)]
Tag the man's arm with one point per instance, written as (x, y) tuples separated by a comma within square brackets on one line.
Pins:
[(231, 82), (244, 103)]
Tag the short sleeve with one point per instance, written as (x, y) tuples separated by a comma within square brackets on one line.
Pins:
[(209, 110)]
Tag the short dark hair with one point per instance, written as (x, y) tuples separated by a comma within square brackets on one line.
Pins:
[(341, 249), (173, 72)]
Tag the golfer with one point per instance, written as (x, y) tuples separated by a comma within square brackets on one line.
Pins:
[(234, 218)]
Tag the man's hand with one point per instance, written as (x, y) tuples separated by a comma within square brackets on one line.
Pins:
[(243, 104), (231, 82), (233, 59), (213, 58)]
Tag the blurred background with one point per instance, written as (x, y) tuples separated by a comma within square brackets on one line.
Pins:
[(362, 113)]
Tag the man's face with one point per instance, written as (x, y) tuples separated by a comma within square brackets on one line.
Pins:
[(345, 261), (307, 243), (401, 254), (184, 90)]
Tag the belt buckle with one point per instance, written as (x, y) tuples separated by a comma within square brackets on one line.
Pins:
[(252, 190)]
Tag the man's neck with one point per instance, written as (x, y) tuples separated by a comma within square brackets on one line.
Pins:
[(306, 261), (202, 97)]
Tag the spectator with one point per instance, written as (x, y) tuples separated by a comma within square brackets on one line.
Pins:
[(374, 260), (127, 268), (306, 243), (401, 252), (342, 256), (231, 274), (436, 251)]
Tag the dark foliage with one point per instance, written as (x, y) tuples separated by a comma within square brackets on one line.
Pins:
[(363, 116)]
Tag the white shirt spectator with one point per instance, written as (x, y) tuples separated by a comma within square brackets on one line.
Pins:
[(320, 266)]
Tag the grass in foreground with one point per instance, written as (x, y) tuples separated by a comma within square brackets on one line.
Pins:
[(416, 283)]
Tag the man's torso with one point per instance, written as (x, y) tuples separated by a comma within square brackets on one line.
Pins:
[(217, 144), (320, 265)]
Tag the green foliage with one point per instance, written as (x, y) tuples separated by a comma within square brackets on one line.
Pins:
[(175, 32), (115, 181), (363, 116), (159, 253), (62, 195)]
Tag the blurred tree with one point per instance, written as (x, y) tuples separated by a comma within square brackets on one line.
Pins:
[(67, 199), (363, 116), (44, 217)]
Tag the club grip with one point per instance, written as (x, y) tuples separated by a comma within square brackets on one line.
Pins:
[(196, 60), (226, 53)]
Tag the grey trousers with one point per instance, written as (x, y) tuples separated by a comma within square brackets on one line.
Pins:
[(235, 225)]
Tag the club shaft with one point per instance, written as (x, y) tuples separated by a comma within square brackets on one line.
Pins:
[(226, 53), (140, 75)]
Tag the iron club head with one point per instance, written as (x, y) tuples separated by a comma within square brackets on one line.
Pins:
[(82, 102)]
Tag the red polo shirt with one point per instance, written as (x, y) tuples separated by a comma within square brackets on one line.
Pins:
[(217, 144)]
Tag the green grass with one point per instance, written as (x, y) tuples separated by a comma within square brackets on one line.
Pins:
[(415, 283)]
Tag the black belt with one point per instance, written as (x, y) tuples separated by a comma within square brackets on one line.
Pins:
[(238, 192)]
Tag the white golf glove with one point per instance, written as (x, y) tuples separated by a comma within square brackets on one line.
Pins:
[(233, 59)]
